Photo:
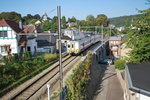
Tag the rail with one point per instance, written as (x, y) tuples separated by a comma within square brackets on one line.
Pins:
[(32, 88)]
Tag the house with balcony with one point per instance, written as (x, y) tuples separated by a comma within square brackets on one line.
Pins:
[(14, 39), (115, 46)]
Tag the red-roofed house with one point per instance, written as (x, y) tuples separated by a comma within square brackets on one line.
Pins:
[(9, 38)]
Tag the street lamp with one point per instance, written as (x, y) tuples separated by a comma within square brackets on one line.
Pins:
[(48, 91)]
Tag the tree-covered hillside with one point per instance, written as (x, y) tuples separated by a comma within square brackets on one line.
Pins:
[(123, 20)]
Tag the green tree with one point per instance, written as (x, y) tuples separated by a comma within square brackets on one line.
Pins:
[(45, 26), (73, 19), (90, 18), (63, 20), (82, 23), (37, 16), (13, 16), (29, 16), (55, 19), (53, 27), (139, 39), (102, 19), (32, 21)]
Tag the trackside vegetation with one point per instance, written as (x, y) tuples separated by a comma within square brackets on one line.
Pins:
[(77, 82), (22, 68)]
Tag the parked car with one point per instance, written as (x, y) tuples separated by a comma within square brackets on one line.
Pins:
[(106, 61)]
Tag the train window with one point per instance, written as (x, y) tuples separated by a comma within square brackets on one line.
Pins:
[(68, 46), (72, 46), (83, 44)]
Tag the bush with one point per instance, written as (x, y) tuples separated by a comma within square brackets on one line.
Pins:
[(120, 64), (15, 58), (77, 82), (5, 59), (50, 57), (21, 70)]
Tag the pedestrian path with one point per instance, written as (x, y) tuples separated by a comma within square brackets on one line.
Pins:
[(110, 87)]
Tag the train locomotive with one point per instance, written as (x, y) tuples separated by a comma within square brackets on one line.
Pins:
[(77, 46)]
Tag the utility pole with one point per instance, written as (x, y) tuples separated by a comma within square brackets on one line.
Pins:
[(110, 31), (102, 32), (60, 56), (95, 29), (79, 29)]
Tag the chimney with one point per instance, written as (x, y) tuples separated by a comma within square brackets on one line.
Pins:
[(20, 24)]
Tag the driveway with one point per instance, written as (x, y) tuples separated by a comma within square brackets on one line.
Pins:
[(109, 88)]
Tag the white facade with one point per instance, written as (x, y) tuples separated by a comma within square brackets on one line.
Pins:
[(31, 45), (130, 95), (142, 97), (45, 17), (37, 22), (9, 39), (70, 24)]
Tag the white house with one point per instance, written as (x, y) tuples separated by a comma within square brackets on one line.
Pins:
[(44, 17), (9, 38), (70, 24)]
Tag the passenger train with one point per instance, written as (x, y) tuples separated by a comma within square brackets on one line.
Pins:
[(77, 46)]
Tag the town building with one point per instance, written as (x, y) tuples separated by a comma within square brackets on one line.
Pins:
[(115, 46), (44, 17), (46, 43), (137, 81), (11, 39), (120, 28), (38, 22), (71, 24)]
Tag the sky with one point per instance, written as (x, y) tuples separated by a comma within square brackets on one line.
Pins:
[(77, 8)]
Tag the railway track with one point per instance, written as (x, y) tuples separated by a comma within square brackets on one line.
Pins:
[(34, 87)]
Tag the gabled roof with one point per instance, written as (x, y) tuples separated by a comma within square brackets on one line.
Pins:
[(28, 28), (138, 77), (12, 24), (44, 41)]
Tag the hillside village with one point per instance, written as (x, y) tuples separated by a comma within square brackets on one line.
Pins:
[(17, 38), (92, 59)]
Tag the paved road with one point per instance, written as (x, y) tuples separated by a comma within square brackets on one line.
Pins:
[(110, 87)]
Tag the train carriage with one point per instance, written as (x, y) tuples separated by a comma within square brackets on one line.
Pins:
[(77, 46)]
